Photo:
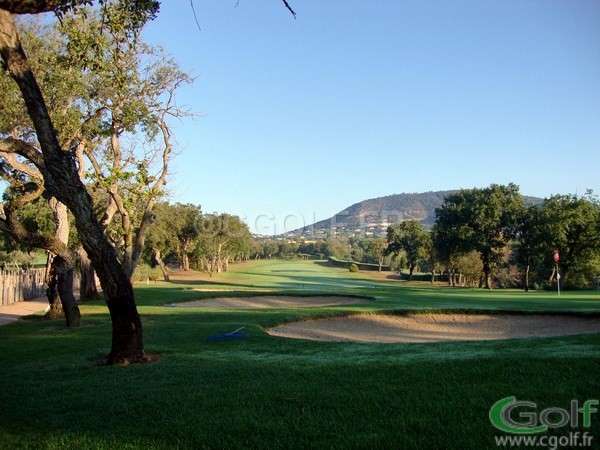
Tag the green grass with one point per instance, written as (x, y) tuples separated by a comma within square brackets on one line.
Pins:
[(269, 392)]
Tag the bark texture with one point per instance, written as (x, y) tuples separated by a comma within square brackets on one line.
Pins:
[(88, 290), (60, 291), (59, 272), (36, 6), (62, 181)]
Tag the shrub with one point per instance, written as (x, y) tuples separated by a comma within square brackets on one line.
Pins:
[(16, 259), (144, 272), (353, 268)]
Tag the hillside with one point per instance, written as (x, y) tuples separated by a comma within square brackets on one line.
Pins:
[(373, 216)]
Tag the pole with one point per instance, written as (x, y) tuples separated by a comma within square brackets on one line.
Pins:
[(557, 280), (556, 260)]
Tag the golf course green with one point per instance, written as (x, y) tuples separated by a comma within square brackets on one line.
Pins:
[(263, 391)]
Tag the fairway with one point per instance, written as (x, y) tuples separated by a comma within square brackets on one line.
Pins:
[(271, 301), (274, 392)]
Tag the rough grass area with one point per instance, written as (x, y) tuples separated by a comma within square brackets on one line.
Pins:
[(270, 392)]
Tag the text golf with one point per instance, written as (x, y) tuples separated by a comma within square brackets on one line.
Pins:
[(524, 417)]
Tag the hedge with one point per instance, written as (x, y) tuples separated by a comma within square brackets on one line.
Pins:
[(362, 266)]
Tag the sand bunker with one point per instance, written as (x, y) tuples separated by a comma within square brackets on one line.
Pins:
[(436, 327), (271, 301)]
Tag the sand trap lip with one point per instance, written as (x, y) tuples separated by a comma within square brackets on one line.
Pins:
[(271, 301), (414, 328)]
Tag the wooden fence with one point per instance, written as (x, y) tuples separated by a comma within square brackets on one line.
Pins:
[(19, 285)]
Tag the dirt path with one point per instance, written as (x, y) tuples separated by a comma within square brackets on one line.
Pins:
[(13, 312), (271, 301), (436, 327)]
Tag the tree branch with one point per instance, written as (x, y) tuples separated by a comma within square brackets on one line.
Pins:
[(24, 149), (39, 6), (289, 8), (23, 167)]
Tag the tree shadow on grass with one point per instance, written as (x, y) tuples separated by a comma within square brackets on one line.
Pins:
[(210, 283)]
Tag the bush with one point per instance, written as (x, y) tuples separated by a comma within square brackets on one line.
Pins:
[(353, 268), (144, 272), (16, 259)]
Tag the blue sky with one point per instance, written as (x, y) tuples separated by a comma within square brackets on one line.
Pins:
[(361, 99)]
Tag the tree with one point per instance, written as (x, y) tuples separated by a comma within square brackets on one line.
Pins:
[(173, 233), (25, 187), (160, 239), (19, 173), (88, 289), (572, 225), (222, 238), (533, 240), (483, 220), (410, 237), (376, 249), (269, 248), (61, 177), (66, 91), (471, 269), (432, 256), (446, 241), (125, 103), (337, 247)]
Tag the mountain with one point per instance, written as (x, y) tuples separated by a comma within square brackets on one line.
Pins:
[(373, 216)]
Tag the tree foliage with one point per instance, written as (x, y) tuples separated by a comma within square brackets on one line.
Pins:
[(569, 224), (173, 234), (56, 161), (222, 238), (408, 237), (482, 220)]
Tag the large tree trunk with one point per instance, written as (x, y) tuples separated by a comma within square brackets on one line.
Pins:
[(487, 270), (56, 310), (88, 290), (59, 273), (60, 291), (487, 276), (61, 179), (527, 278), (185, 261), (411, 269)]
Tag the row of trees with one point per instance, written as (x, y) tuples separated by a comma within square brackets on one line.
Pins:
[(486, 237), (182, 234), (368, 250), (490, 232)]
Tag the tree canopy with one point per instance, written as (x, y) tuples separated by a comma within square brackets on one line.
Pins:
[(408, 237), (60, 172), (482, 220)]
